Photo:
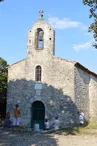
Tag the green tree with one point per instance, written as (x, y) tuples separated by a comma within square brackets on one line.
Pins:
[(93, 27), (3, 78), (3, 85)]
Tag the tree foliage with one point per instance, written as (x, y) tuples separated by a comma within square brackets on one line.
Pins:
[(93, 27), (3, 78)]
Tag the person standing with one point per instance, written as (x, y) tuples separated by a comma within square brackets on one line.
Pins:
[(81, 118), (16, 121), (56, 123)]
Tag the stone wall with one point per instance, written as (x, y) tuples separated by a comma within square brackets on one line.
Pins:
[(63, 76), (81, 79), (57, 91), (63, 82), (93, 98), (16, 75)]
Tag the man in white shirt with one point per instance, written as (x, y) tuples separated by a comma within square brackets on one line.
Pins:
[(56, 123), (47, 124)]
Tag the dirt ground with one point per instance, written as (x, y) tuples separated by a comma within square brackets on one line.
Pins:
[(10, 138)]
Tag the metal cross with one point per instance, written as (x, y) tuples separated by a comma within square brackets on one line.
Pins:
[(41, 14)]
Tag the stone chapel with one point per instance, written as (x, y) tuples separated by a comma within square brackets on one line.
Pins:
[(46, 86)]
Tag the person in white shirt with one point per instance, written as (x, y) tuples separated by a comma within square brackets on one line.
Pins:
[(47, 124), (56, 123), (81, 118)]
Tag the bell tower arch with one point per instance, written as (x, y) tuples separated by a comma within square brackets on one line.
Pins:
[(41, 38)]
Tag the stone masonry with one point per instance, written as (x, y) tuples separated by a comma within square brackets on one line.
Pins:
[(66, 87)]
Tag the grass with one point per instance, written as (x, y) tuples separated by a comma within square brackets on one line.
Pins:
[(91, 126), (90, 129)]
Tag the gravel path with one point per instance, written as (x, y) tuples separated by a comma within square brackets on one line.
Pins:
[(9, 138)]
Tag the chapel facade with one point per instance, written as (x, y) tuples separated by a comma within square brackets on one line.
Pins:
[(46, 86)]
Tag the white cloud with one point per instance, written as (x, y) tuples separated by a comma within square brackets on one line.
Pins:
[(88, 34), (86, 45), (65, 23)]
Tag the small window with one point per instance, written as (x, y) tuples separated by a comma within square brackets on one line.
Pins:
[(38, 74)]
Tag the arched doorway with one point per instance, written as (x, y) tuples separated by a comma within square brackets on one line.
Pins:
[(38, 114)]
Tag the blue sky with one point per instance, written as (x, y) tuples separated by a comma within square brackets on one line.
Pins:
[(70, 20)]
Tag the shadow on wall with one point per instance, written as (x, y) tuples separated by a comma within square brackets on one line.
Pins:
[(56, 103)]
